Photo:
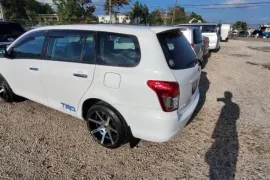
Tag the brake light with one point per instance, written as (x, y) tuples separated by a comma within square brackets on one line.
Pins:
[(168, 94), (192, 45)]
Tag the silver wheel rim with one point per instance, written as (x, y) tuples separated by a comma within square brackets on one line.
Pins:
[(3, 93), (102, 128)]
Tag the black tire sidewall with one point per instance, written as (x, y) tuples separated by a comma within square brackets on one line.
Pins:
[(10, 94), (117, 121)]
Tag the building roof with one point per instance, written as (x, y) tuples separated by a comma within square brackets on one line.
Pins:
[(111, 28)]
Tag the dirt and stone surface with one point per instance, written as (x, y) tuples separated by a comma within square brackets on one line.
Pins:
[(227, 138)]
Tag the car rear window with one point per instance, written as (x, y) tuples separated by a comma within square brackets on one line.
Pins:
[(177, 50), (120, 50)]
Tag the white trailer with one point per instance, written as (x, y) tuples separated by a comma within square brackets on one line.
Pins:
[(225, 29)]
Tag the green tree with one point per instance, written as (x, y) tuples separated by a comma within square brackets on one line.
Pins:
[(139, 13), (73, 9), (240, 26), (180, 15), (195, 16), (118, 4), (155, 18), (25, 9)]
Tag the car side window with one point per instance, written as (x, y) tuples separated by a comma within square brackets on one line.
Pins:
[(71, 48), (30, 48), (118, 50)]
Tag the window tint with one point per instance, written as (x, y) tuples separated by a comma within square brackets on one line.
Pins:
[(2, 52), (209, 28), (72, 48), (118, 50), (177, 50), (30, 48), (197, 35)]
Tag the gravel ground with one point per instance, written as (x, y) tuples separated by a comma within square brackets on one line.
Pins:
[(227, 138)]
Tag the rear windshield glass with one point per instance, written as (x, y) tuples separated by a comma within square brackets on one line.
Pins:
[(209, 28), (177, 50), (11, 28)]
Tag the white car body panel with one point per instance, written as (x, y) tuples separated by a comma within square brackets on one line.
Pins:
[(124, 88), (24, 81), (60, 84), (214, 40)]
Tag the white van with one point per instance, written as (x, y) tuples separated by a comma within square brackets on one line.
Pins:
[(120, 79), (225, 29), (210, 30)]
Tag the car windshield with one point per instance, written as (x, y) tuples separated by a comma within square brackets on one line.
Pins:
[(177, 50), (11, 28)]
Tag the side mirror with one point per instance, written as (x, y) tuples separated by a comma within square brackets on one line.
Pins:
[(8, 54)]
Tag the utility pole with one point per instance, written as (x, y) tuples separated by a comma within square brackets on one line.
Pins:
[(110, 10), (176, 1), (2, 15)]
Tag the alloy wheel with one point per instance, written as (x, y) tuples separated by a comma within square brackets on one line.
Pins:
[(102, 128), (3, 93)]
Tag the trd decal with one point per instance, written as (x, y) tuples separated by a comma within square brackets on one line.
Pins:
[(68, 107)]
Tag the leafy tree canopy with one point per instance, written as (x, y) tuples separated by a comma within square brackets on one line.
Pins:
[(25, 9)]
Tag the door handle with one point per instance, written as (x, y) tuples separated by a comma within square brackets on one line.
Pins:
[(80, 75), (33, 69)]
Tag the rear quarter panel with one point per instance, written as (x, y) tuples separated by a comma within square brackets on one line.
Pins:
[(133, 90)]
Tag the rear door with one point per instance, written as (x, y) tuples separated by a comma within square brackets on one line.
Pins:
[(69, 69), (182, 61)]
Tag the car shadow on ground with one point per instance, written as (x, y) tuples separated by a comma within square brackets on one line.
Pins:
[(222, 155), (203, 87), (216, 50), (205, 60)]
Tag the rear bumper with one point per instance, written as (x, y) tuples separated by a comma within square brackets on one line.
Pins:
[(156, 125), (214, 46)]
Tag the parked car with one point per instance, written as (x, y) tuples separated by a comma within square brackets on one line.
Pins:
[(265, 34), (210, 30), (194, 37), (225, 29), (139, 84), (243, 34), (9, 31), (205, 47), (257, 34)]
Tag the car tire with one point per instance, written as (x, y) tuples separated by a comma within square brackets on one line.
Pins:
[(106, 125), (6, 93)]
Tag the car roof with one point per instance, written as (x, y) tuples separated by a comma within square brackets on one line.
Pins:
[(8, 22), (110, 28), (199, 24), (187, 27)]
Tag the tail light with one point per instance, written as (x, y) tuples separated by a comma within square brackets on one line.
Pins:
[(168, 94), (192, 45)]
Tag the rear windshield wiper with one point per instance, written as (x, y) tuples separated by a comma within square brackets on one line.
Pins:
[(193, 62)]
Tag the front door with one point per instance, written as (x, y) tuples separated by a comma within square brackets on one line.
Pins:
[(22, 72), (69, 69)]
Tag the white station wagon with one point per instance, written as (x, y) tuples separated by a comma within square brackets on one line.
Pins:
[(120, 79)]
